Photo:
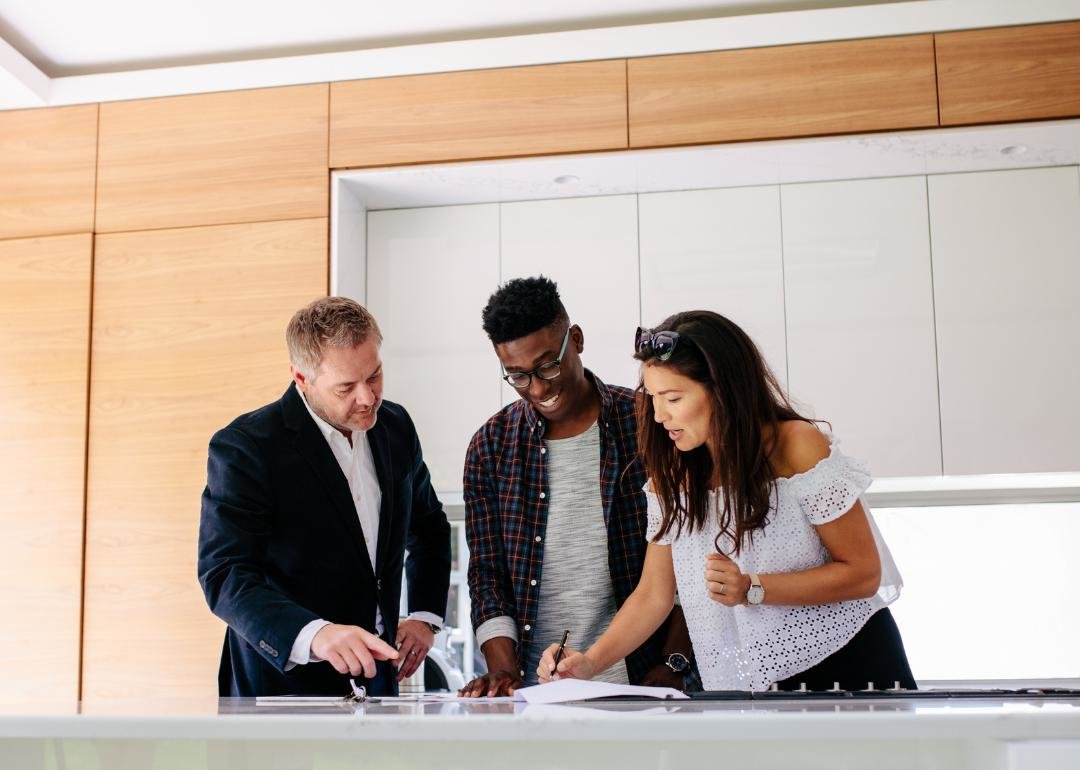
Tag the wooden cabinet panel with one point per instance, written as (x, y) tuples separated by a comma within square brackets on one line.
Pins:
[(188, 333), (47, 171), (797, 90), (1014, 73), (44, 333), (1005, 277), (480, 114), (243, 156)]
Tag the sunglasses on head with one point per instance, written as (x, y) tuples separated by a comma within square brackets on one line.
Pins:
[(660, 344)]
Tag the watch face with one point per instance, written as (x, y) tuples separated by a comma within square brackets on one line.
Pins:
[(678, 662), (755, 595)]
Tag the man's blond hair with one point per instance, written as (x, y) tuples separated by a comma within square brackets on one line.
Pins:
[(330, 322)]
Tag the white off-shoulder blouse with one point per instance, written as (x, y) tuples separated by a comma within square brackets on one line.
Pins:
[(750, 647)]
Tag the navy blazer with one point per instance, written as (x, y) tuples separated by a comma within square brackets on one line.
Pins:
[(280, 542)]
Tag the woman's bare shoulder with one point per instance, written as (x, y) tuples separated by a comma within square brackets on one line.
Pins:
[(802, 446)]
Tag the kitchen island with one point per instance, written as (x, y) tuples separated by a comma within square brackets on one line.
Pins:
[(441, 732)]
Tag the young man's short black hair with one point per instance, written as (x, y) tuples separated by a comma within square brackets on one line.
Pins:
[(520, 307)]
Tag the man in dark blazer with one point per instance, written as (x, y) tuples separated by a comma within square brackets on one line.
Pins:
[(310, 505)]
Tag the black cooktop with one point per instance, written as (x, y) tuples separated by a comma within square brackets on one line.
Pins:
[(889, 694)]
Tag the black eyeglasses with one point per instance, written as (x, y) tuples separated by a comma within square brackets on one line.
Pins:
[(548, 371), (660, 344)]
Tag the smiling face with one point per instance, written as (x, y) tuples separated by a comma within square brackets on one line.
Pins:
[(563, 396), (347, 388), (682, 405)]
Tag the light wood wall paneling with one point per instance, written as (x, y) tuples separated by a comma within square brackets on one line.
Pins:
[(47, 171), (480, 114), (188, 333), (207, 159), (1014, 73), (44, 333), (797, 90)]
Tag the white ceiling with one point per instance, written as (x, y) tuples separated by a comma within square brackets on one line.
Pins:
[(55, 52), (76, 37)]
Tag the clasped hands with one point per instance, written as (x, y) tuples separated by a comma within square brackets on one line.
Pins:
[(724, 581), (353, 650)]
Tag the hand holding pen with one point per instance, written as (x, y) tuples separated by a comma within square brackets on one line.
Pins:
[(575, 665)]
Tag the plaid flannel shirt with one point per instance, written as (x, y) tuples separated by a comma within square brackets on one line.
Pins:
[(506, 511)]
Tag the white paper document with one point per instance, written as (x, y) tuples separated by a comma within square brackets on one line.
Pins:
[(565, 690), (299, 700)]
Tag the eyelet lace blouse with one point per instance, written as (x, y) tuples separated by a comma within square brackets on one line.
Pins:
[(750, 647)]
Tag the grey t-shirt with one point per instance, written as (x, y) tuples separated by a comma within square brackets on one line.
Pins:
[(575, 584)]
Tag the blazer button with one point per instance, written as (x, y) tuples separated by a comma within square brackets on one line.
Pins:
[(378, 584)]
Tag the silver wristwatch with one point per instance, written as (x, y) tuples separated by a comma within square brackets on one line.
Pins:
[(756, 593)]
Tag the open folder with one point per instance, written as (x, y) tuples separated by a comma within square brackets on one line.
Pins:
[(565, 690)]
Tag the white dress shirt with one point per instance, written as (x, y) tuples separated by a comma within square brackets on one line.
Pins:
[(358, 465)]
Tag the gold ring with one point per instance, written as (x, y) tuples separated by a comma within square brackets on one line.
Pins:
[(722, 588)]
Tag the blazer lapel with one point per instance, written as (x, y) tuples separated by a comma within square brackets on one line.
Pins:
[(379, 439), (312, 446)]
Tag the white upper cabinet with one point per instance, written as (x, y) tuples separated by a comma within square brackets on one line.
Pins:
[(860, 318), (716, 250), (588, 246), (430, 272), (963, 363), (1007, 286)]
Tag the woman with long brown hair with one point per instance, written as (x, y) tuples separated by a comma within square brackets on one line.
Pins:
[(756, 518)]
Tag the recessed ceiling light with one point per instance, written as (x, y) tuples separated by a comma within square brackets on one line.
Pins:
[(566, 179), (1014, 149)]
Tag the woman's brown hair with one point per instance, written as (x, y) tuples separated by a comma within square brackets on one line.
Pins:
[(748, 406)]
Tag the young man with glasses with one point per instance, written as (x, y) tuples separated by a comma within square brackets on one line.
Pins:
[(555, 514)]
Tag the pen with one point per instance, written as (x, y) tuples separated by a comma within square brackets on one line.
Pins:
[(559, 652)]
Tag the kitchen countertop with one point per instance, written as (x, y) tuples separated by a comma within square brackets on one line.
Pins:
[(414, 730)]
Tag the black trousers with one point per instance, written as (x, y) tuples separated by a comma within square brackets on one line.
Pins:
[(875, 654)]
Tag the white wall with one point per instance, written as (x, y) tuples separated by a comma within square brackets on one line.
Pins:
[(989, 591)]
